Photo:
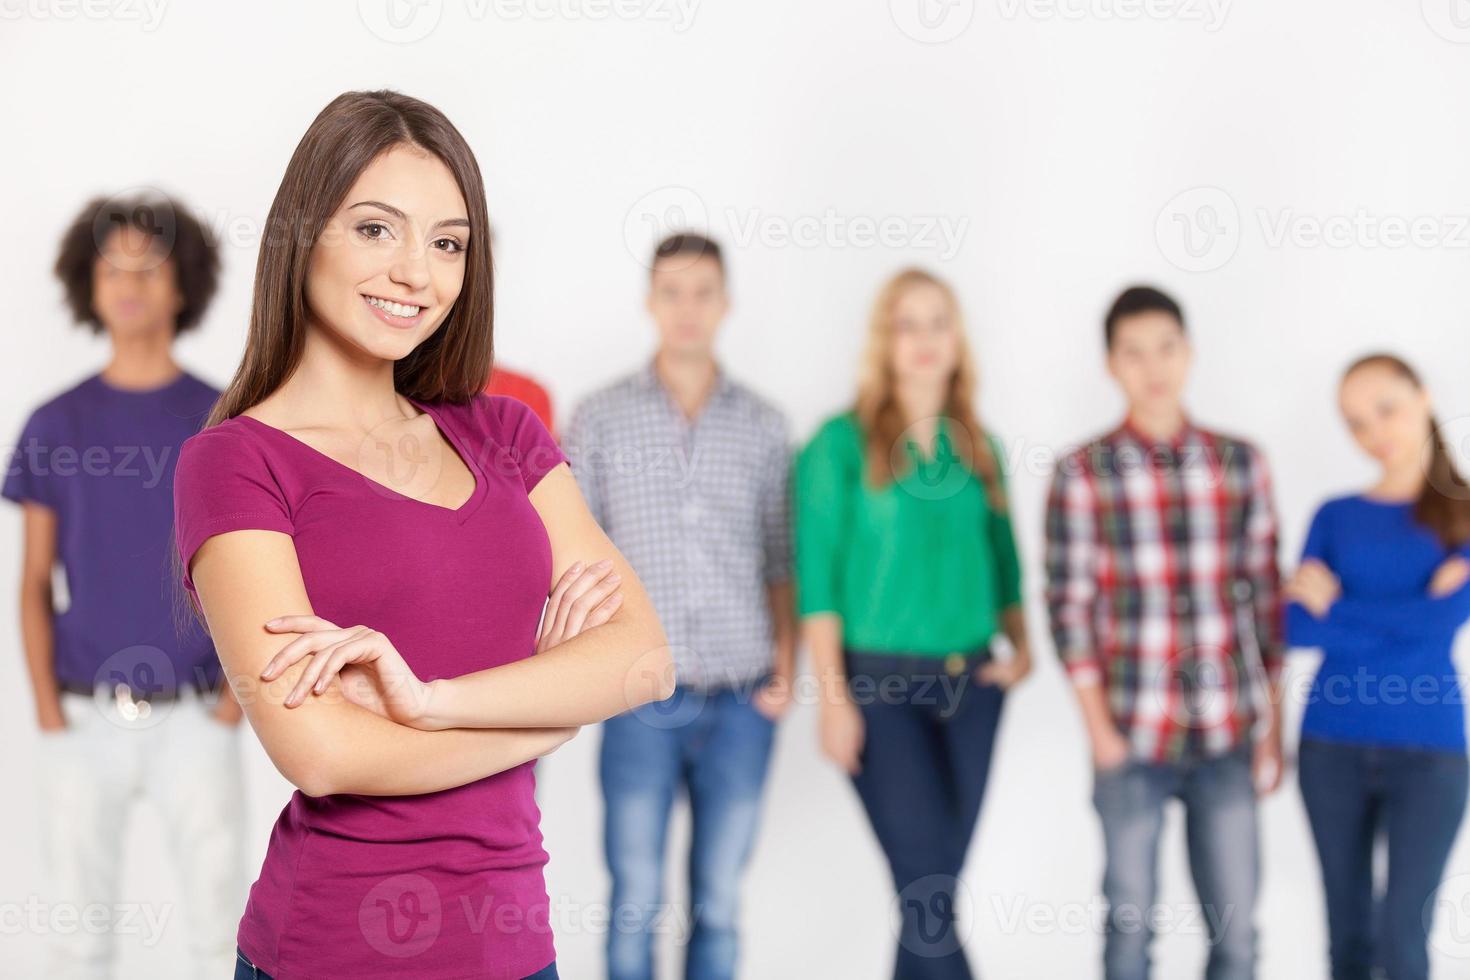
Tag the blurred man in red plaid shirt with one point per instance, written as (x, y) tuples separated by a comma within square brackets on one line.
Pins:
[(1165, 605)]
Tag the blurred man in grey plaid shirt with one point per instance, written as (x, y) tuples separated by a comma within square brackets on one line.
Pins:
[(686, 469)]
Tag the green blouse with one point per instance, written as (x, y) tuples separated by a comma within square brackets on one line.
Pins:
[(923, 566)]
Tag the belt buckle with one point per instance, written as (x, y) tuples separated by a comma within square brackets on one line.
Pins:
[(954, 664)]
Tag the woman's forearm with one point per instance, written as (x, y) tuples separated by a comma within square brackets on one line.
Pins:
[(373, 756), (1013, 624), (593, 676), (822, 634), (1423, 616)]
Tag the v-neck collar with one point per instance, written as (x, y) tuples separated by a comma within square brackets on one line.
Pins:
[(471, 462)]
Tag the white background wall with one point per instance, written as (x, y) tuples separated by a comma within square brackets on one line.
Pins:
[(1064, 144)]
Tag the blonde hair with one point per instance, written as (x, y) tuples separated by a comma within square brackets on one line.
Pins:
[(878, 411)]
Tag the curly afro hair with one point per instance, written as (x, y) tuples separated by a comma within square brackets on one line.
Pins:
[(180, 237)]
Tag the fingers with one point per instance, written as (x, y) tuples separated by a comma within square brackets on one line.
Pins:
[(564, 616), (553, 602), (327, 663), (589, 577), (298, 624), (1449, 577), (604, 610), (582, 606), (301, 646)]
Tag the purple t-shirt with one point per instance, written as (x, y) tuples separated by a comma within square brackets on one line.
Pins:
[(103, 459), (437, 886)]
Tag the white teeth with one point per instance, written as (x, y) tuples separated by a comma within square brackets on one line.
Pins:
[(396, 309)]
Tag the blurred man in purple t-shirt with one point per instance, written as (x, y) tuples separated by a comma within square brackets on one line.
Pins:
[(128, 694)]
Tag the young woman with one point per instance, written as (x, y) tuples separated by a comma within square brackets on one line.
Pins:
[(906, 567), (372, 541), (1382, 589)]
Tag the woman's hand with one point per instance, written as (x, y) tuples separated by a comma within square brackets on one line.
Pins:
[(1006, 673), (1449, 577), (584, 597), (843, 733), (374, 674), (1315, 587)]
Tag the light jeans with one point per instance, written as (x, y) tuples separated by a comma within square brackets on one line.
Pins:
[(90, 774), (1222, 835)]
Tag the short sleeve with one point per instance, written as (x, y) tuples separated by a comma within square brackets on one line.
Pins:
[(530, 444), (28, 476), (223, 482)]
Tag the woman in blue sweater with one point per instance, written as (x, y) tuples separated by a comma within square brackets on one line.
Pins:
[(1382, 589)]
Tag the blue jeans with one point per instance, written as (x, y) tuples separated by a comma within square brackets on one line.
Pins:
[(1414, 798), (246, 970), (1219, 800), (717, 746), (924, 765)]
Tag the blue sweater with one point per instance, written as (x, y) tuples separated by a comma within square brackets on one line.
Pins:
[(1387, 678)]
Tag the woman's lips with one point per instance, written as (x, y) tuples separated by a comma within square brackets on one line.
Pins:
[(402, 322)]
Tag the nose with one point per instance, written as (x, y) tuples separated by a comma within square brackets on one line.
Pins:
[(411, 266)]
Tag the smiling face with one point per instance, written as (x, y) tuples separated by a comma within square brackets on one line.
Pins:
[(1387, 414), (925, 342), (1150, 361), (390, 263), (135, 286)]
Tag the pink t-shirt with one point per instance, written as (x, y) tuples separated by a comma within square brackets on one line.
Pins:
[(442, 885)]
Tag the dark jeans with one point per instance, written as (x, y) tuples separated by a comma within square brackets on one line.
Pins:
[(1222, 836), (246, 970), (1415, 799), (925, 761)]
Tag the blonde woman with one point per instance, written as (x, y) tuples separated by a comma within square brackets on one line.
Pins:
[(906, 570)]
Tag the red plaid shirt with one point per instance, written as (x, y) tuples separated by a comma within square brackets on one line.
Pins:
[(1163, 585)]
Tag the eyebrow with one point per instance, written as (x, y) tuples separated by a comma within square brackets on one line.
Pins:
[(446, 223)]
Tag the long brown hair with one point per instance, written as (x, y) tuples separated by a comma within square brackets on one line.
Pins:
[(1444, 501), (348, 135), (877, 408), (342, 141)]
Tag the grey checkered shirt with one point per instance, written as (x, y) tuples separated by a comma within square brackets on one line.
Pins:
[(699, 508)]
